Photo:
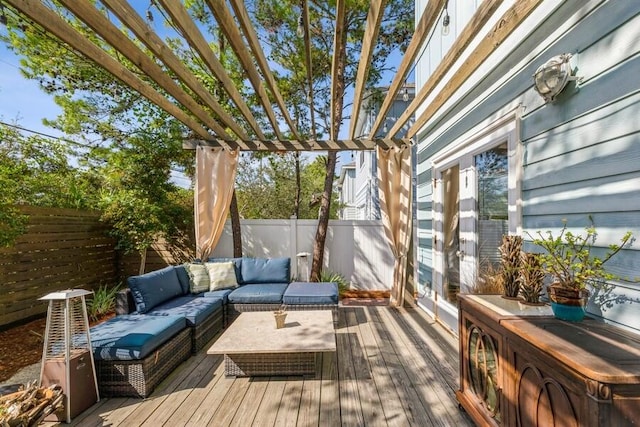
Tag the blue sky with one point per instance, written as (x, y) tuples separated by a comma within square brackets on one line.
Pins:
[(21, 100)]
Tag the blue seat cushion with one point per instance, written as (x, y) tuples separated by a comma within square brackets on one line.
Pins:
[(237, 265), (220, 293), (265, 270), (311, 293), (133, 336), (154, 288), (263, 293), (191, 307)]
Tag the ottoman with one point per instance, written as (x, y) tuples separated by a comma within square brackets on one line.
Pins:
[(312, 296)]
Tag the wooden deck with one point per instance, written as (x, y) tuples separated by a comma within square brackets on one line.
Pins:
[(392, 367)]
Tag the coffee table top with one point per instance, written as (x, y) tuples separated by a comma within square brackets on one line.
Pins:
[(255, 332)]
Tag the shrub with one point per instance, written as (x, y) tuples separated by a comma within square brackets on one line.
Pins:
[(330, 276), (102, 303)]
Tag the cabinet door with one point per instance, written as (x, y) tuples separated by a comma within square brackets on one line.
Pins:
[(541, 395), (480, 390)]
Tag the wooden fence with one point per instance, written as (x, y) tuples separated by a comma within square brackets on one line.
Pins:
[(62, 249)]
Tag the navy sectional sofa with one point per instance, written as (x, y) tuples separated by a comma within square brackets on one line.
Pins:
[(159, 323)]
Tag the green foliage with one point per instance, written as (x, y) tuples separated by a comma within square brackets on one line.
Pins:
[(330, 276), (103, 302), (266, 186), (569, 260)]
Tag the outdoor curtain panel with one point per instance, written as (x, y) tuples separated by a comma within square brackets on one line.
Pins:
[(215, 177), (394, 184)]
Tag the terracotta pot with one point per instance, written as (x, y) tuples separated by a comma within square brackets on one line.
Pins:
[(567, 303)]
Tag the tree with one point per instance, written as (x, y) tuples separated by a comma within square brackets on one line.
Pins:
[(279, 22), (36, 171)]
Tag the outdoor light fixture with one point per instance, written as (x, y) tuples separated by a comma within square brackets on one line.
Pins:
[(551, 77), (446, 20), (405, 95), (385, 128)]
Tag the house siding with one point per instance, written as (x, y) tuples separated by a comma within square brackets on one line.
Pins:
[(581, 152)]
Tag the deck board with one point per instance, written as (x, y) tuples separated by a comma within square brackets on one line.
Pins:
[(392, 368)]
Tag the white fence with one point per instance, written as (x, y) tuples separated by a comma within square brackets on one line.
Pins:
[(356, 249)]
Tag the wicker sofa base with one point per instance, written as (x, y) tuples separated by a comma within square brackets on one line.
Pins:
[(269, 364), (203, 333), (138, 378)]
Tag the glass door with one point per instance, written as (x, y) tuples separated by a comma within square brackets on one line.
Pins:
[(451, 234), (492, 171)]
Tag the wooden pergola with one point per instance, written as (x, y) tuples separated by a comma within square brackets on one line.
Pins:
[(196, 106)]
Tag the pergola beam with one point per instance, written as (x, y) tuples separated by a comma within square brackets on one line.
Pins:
[(470, 31), (232, 33), (509, 21), (128, 16), (181, 19), (86, 12), (374, 18), (298, 145), (424, 27), (252, 38), (51, 22)]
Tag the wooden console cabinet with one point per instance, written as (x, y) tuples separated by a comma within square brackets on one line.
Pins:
[(519, 366)]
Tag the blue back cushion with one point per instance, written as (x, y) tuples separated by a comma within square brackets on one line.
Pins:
[(265, 270), (154, 288), (183, 277)]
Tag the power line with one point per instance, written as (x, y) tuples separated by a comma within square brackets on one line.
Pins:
[(59, 138)]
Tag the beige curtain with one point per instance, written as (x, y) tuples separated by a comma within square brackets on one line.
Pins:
[(394, 184), (215, 177)]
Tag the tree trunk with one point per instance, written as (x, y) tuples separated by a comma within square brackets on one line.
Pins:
[(296, 202), (323, 218), (235, 226), (143, 261), (332, 157)]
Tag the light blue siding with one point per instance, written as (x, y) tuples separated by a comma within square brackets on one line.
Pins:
[(581, 152)]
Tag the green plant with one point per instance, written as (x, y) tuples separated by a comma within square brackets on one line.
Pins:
[(330, 276), (103, 302), (569, 260)]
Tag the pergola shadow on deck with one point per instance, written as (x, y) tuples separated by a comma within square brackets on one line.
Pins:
[(392, 367)]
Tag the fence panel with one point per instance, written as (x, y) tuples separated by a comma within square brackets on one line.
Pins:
[(62, 249), (356, 249)]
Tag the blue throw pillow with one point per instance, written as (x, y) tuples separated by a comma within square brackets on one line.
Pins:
[(265, 270), (152, 289)]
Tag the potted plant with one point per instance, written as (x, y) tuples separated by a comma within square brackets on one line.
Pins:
[(531, 278), (510, 257), (569, 260)]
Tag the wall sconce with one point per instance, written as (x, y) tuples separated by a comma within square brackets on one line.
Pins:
[(551, 77)]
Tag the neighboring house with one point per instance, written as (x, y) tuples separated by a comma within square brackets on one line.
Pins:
[(367, 202), (346, 192), (496, 158)]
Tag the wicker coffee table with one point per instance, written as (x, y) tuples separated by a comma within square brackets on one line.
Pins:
[(252, 346)]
